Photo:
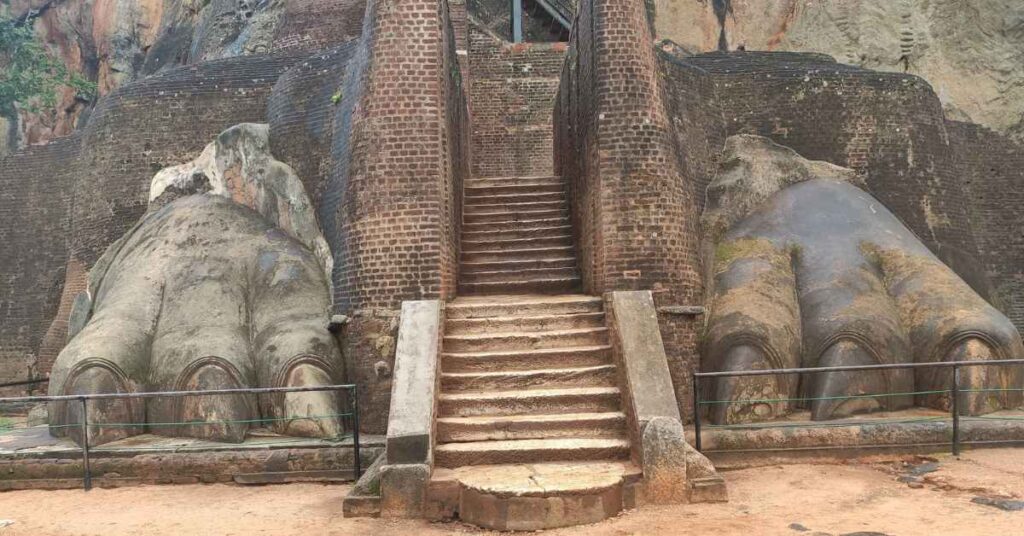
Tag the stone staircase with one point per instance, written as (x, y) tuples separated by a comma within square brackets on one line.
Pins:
[(530, 427), (517, 237)]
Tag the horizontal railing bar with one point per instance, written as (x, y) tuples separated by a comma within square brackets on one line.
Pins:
[(24, 382), (941, 364), (178, 394)]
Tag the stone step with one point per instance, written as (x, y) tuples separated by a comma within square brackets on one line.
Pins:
[(554, 185), (533, 286), (513, 197), (502, 232), (510, 225), (484, 307), (610, 424), (530, 402), (517, 264), (530, 451), (514, 216), (597, 376), (472, 246), (526, 340), (481, 182), (461, 326), (513, 208), (533, 496), (470, 276), (581, 356), (528, 253)]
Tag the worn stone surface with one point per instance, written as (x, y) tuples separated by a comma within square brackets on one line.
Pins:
[(637, 342), (114, 42), (31, 459), (792, 441), (664, 454), (403, 490), (869, 292), (413, 395), (203, 294), (972, 52), (238, 165), (364, 500)]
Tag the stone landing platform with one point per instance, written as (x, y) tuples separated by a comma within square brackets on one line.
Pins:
[(797, 439), (32, 459)]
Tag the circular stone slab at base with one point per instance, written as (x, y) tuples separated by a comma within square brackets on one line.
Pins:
[(542, 496)]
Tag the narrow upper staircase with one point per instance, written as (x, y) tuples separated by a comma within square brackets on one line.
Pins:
[(517, 237), (530, 432)]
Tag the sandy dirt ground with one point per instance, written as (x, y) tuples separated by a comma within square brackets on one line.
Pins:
[(914, 496)]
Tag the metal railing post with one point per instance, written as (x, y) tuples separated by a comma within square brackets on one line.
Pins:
[(87, 471), (955, 405), (696, 412), (357, 462)]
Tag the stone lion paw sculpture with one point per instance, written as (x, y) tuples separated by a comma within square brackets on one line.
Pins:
[(222, 284), (812, 271)]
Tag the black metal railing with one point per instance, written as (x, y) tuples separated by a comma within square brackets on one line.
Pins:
[(955, 390), (351, 416)]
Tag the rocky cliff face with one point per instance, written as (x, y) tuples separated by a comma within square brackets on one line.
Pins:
[(970, 51), (116, 41)]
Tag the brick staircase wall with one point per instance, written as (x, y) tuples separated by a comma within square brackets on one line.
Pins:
[(512, 93), (635, 217)]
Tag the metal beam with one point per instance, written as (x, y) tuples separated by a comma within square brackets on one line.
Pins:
[(517, 21)]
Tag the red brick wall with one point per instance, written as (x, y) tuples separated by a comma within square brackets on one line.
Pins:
[(512, 96), (398, 213), (35, 218), (635, 215), (991, 169), (316, 25)]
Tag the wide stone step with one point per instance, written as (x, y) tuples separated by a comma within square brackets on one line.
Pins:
[(484, 307), (610, 424), (551, 185), (470, 246), (526, 340), (513, 197), (514, 216), (462, 326), (531, 402), (598, 376), (482, 182), (499, 232), (521, 208), (536, 286), (471, 276), (514, 224), (582, 356), (533, 496), (526, 253), (530, 451), (517, 264)]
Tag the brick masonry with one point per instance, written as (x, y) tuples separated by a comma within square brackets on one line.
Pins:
[(639, 130), (35, 208), (512, 95), (992, 171), (635, 217)]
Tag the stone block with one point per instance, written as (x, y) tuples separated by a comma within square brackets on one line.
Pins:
[(403, 490), (411, 419), (638, 343), (663, 451)]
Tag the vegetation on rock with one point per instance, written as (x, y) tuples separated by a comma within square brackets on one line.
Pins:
[(31, 76)]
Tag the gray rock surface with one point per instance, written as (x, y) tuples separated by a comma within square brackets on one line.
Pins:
[(819, 273), (223, 284), (238, 165), (970, 51)]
